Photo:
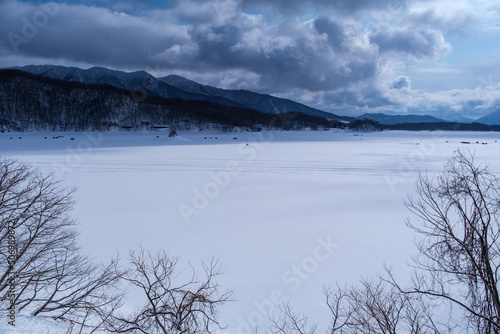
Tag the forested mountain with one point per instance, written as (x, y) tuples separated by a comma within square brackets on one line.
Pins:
[(141, 82), (174, 86), (262, 102), (33, 102)]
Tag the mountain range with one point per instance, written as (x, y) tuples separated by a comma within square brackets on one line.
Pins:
[(34, 102), (49, 96), (174, 86)]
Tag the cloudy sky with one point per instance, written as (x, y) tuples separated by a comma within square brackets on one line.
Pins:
[(438, 57)]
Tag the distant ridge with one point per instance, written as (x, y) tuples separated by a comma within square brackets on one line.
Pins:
[(396, 119), (491, 119)]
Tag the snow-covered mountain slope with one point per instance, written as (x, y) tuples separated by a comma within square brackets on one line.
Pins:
[(174, 86), (141, 82), (262, 102), (94, 75)]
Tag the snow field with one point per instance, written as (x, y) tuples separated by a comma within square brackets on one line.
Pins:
[(286, 213)]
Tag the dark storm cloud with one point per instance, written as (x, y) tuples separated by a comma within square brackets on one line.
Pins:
[(349, 6), (402, 82), (84, 34), (334, 31), (426, 43), (289, 55)]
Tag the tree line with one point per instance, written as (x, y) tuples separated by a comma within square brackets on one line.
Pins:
[(371, 125)]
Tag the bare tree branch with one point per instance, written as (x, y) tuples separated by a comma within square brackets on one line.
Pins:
[(459, 253), (170, 307), (39, 252)]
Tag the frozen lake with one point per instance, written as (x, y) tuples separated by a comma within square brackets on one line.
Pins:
[(285, 212)]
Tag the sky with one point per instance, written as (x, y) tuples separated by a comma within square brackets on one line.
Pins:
[(348, 57)]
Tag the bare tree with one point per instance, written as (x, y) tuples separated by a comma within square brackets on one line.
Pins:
[(39, 256), (170, 307), (290, 322), (373, 307), (377, 307), (459, 252)]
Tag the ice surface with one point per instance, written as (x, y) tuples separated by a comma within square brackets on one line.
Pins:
[(285, 212)]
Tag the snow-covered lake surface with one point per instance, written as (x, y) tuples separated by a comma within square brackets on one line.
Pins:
[(286, 213)]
